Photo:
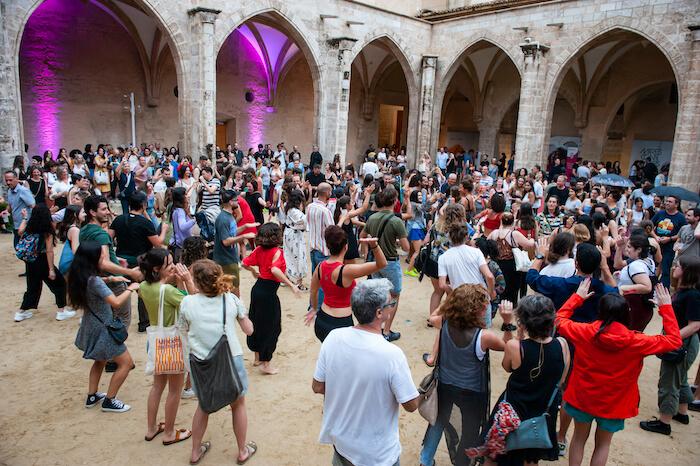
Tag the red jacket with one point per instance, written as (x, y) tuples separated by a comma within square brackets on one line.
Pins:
[(606, 368)]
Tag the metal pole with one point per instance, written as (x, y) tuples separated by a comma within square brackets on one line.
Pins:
[(132, 109)]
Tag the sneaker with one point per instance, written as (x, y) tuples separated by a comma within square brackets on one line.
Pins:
[(113, 405), (188, 393), (111, 366), (562, 448), (682, 418), (654, 425), (412, 273), (392, 336), (65, 314), (94, 399), (694, 405), (23, 315)]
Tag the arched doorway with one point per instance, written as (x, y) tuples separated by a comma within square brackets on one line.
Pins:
[(78, 64), (480, 90), (617, 99), (379, 100), (266, 87)]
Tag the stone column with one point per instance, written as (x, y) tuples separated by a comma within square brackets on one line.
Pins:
[(685, 159), (335, 89), (199, 118), (531, 134), (11, 143), (425, 142), (488, 132)]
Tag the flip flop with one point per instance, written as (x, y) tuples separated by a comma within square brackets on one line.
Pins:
[(187, 435), (204, 448), (251, 448), (161, 428), (425, 360)]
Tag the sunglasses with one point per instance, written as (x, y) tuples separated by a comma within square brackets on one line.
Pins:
[(391, 303)]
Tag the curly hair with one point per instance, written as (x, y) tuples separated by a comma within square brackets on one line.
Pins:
[(194, 248), (454, 214), (464, 307), (269, 236), (210, 278)]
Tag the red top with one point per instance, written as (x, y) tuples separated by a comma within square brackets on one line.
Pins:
[(529, 234), (247, 215), (334, 295), (262, 258), (492, 223), (606, 368)]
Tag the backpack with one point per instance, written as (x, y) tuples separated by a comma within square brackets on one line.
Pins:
[(27, 248)]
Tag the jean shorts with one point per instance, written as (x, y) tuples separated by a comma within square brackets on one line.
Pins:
[(610, 425), (391, 272), (416, 234)]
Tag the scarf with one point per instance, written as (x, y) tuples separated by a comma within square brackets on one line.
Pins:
[(505, 421)]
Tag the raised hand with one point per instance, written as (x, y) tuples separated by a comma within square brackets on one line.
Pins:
[(370, 241), (661, 296), (505, 309), (584, 287), (543, 245)]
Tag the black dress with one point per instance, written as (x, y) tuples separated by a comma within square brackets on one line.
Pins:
[(255, 207), (529, 390), (38, 190), (353, 251)]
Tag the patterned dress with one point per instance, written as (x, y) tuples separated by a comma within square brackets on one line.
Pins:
[(295, 244)]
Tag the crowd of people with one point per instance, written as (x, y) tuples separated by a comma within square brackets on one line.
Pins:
[(575, 270)]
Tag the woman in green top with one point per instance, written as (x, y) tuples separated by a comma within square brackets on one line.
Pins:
[(159, 271)]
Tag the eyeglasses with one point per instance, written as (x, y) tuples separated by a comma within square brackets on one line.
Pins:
[(391, 303)]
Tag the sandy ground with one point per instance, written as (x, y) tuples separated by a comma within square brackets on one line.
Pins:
[(43, 381)]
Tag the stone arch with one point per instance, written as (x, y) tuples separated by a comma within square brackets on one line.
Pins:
[(172, 33), (399, 49), (559, 64), (226, 25)]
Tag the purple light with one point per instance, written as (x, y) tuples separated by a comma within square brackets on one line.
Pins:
[(43, 60), (257, 110)]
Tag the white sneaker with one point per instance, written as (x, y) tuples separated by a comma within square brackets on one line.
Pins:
[(66, 313), (188, 393), (23, 315)]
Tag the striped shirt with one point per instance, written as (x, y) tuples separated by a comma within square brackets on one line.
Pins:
[(318, 217), (209, 199)]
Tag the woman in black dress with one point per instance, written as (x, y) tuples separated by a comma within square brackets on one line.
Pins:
[(537, 363), (37, 185), (346, 218), (255, 201)]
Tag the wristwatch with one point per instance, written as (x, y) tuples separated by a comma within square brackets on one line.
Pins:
[(539, 256), (508, 328)]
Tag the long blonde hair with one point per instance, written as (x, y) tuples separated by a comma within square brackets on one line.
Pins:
[(454, 214)]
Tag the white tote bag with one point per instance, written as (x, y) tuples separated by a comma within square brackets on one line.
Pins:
[(165, 345), (522, 260)]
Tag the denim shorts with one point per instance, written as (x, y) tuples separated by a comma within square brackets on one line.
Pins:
[(610, 425), (416, 234), (393, 273)]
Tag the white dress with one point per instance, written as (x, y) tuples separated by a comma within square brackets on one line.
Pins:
[(295, 244)]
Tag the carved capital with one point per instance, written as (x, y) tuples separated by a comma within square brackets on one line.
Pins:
[(533, 48), (429, 61), (342, 43), (204, 15)]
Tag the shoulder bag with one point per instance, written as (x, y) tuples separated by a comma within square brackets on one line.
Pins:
[(427, 391), (165, 349), (370, 255), (522, 259), (215, 378), (424, 263), (534, 432), (116, 328)]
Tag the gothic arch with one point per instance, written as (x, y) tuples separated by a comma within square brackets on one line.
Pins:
[(398, 48)]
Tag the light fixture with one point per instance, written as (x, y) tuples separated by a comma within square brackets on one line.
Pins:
[(354, 23), (521, 28), (323, 16)]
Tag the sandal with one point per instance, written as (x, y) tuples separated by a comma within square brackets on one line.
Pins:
[(302, 288), (161, 429), (426, 356), (251, 448), (178, 438), (204, 448)]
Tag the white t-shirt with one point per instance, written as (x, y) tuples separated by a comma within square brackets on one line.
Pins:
[(461, 265), (204, 318), (366, 379), (563, 268), (539, 192), (369, 168), (636, 267)]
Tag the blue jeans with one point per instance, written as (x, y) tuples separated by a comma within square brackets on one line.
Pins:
[(430, 443), (666, 262), (316, 258)]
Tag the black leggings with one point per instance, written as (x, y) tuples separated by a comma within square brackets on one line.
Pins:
[(37, 275), (512, 278), (325, 323)]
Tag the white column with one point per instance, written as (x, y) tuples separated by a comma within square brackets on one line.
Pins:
[(424, 137), (200, 92), (685, 159), (531, 133), (335, 91), (11, 142)]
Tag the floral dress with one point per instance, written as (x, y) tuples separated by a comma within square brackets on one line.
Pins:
[(295, 244)]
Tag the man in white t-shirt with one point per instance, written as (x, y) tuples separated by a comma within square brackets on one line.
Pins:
[(364, 379), (369, 167), (538, 189)]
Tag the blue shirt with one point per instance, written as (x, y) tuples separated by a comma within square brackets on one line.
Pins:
[(560, 289), (667, 225), (225, 227), (20, 198)]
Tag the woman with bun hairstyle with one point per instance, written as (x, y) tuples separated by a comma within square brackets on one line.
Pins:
[(201, 319), (637, 278)]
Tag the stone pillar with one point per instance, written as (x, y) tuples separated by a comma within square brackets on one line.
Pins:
[(685, 159), (199, 118), (531, 134), (425, 140), (335, 89), (11, 143), (488, 132)]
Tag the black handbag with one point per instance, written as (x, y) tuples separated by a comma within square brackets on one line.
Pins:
[(116, 328), (675, 356), (424, 262), (215, 378)]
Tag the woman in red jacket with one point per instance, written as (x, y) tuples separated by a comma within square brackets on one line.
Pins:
[(607, 363)]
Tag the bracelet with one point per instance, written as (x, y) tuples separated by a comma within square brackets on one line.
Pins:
[(372, 249), (508, 328)]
